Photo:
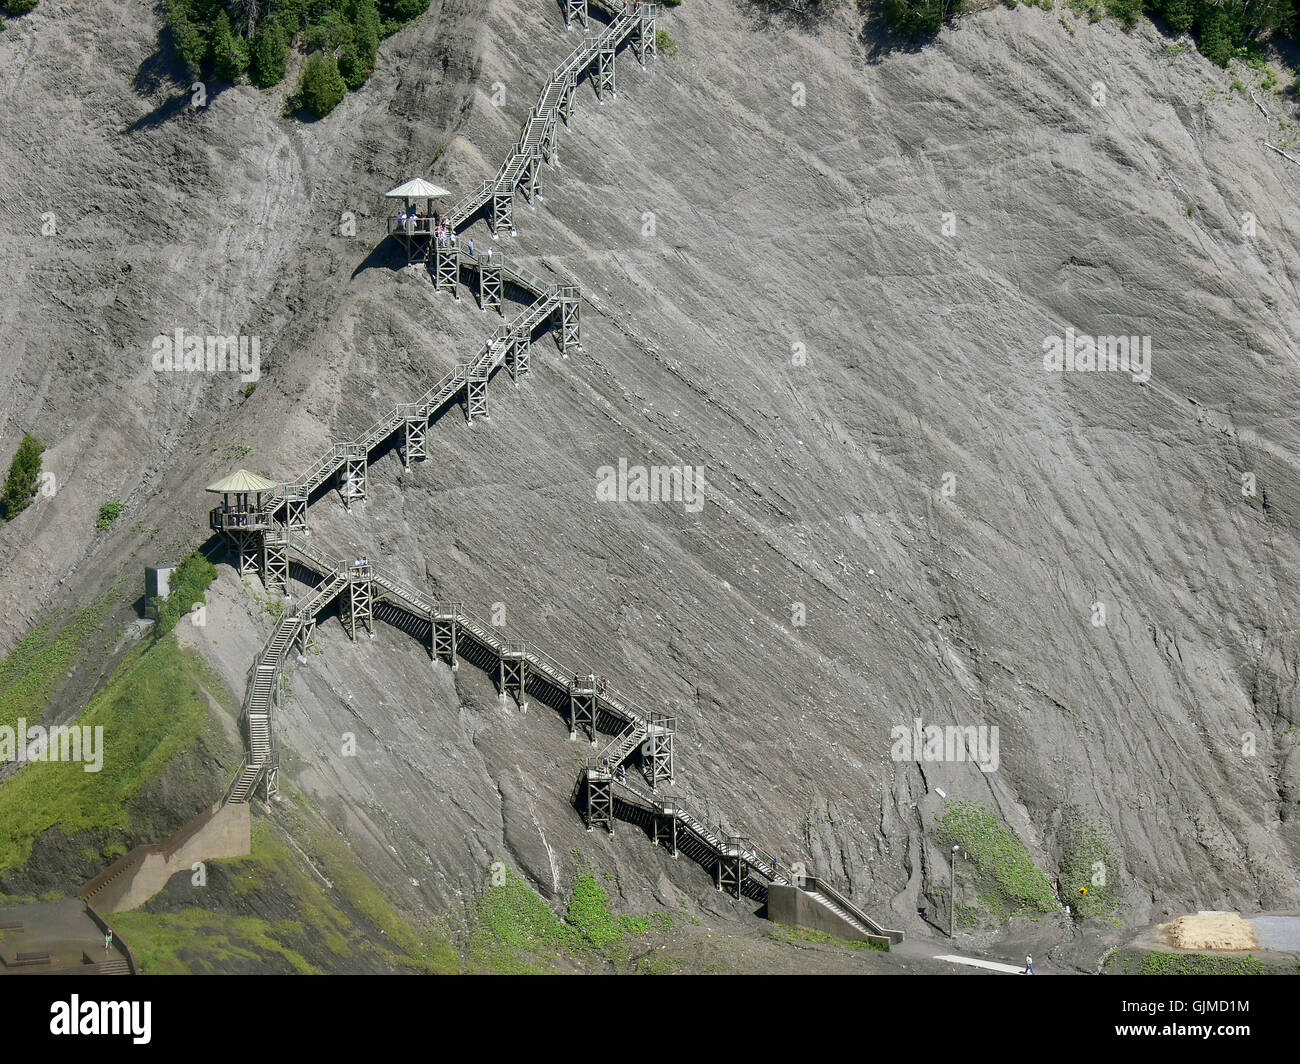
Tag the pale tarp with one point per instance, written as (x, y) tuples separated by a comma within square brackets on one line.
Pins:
[(241, 482), (417, 188)]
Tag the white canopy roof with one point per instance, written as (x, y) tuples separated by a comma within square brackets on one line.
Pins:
[(241, 482), (417, 188)]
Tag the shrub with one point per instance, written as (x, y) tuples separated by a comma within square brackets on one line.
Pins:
[(400, 11), (108, 513), (321, 86), (189, 581), (916, 18), (18, 7), (589, 912), (1125, 12), (24, 472)]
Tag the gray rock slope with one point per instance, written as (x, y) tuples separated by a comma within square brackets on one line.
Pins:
[(944, 513)]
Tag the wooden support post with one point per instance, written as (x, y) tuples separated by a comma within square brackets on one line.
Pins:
[(659, 762), (445, 634), (295, 508), (575, 9), (360, 605), (306, 636), (517, 354), (514, 673), (582, 709), (490, 283), (600, 801), (605, 73), (503, 199), (416, 424), (731, 863), (275, 560), (352, 476), (647, 45), (446, 273), (566, 104), (552, 141), (475, 398), (570, 324), (532, 177), (246, 550)]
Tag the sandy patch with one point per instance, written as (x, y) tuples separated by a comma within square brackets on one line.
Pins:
[(1216, 931)]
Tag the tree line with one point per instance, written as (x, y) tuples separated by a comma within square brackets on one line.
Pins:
[(253, 39)]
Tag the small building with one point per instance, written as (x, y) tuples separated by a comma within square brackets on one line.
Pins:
[(157, 581)]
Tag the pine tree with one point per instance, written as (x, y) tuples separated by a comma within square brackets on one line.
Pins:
[(24, 473), (321, 86)]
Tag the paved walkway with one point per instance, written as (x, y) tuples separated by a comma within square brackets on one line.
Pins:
[(975, 962)]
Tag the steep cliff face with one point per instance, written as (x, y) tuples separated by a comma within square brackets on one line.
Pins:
[(138, 203), (829, 284)]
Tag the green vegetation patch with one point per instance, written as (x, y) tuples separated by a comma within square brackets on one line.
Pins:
[(788, 933), (23, 478), (512, 930), (919, 18), (1136, 962), (151, 708), (339, 37), (1007, 872), (347, 925), (29, 673), (189, 581), (1089, 873), (108, 513)]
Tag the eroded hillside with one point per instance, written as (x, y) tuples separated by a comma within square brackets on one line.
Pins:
[(945, 514)]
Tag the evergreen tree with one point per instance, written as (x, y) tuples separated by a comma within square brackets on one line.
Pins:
[(24, 474), (321, 86), (269, 55), (229, 50)]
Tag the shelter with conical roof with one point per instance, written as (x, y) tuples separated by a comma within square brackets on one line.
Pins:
[(412, 225), (241, 519)]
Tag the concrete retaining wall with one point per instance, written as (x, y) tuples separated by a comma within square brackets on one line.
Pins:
[(793, 907), (224, 832)]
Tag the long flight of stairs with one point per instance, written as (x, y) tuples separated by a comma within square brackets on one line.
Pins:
[(750, 869)]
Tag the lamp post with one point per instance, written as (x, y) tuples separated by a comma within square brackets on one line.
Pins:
[(952, 887)]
